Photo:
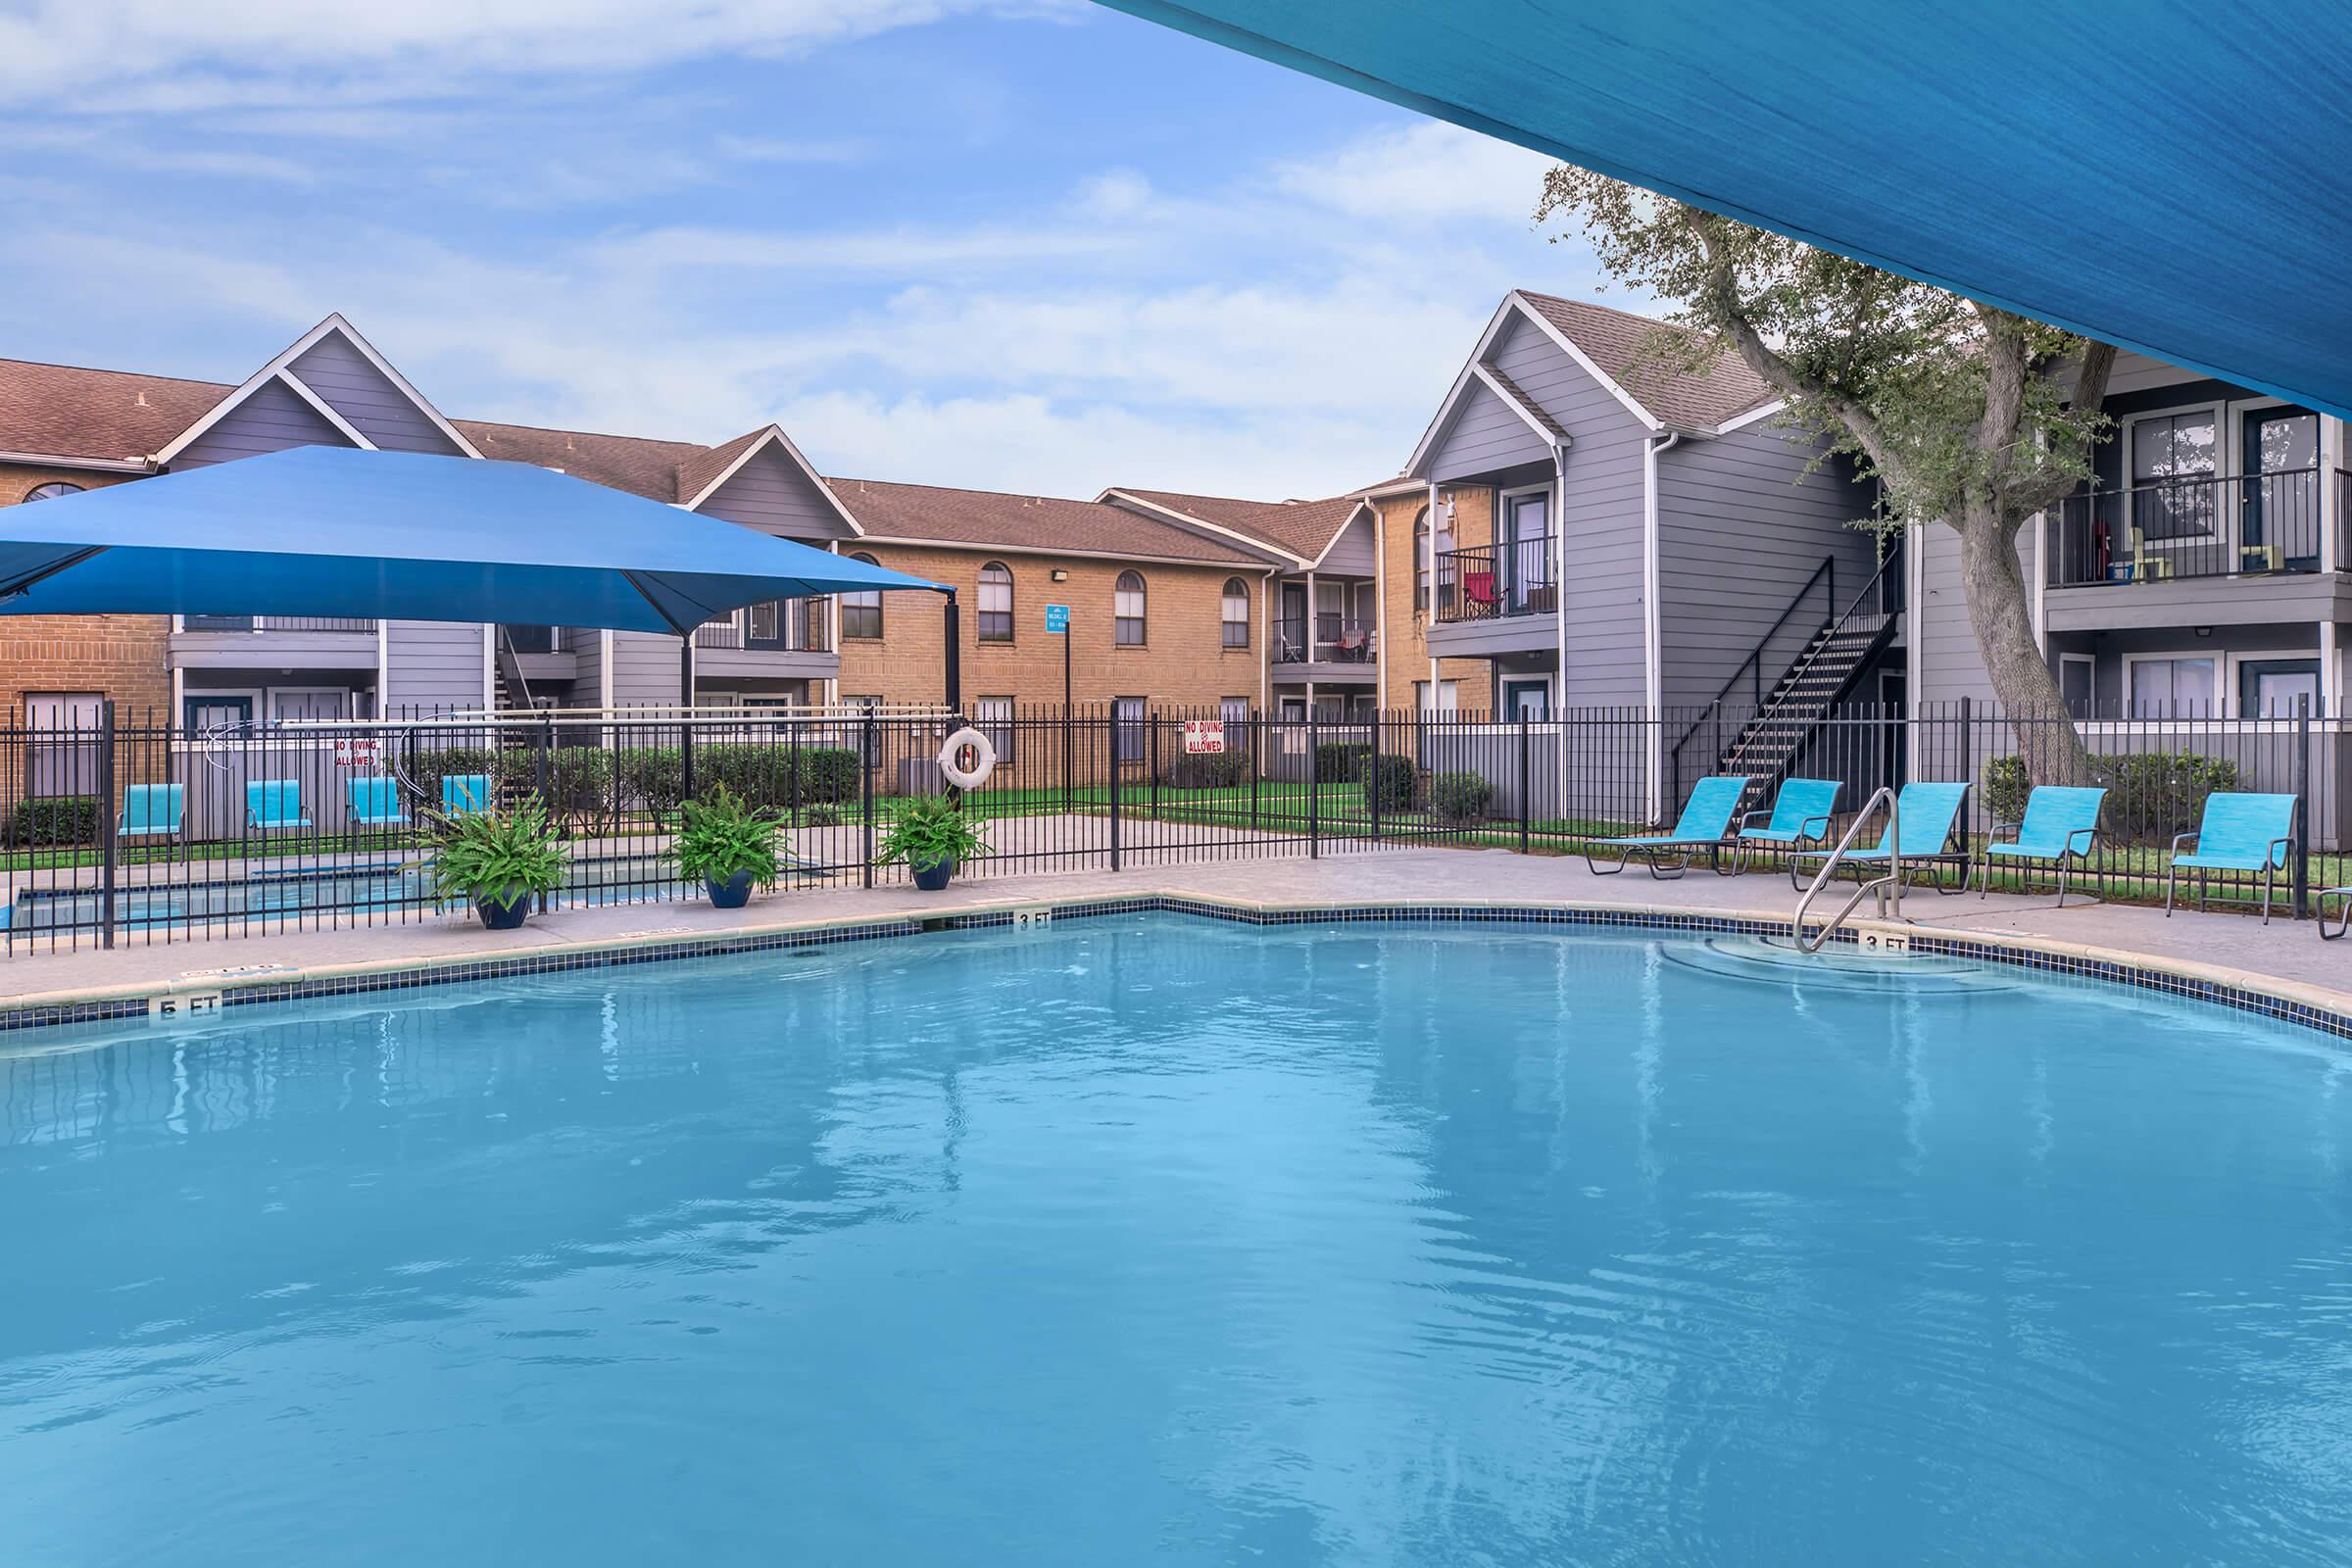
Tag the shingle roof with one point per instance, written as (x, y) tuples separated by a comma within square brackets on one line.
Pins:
[(1021, 522), (1613, 339), (699, 471), (636, 463), (68, 412), (1302, 528)]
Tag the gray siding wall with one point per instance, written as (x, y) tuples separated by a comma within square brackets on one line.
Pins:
[(1488, 433), (357, 390), (645, 668), (1598, 521), (771, 494), (1950, 665), (587, 651), (271, 420), (433, 665), (1742, 525), (1352, 554)]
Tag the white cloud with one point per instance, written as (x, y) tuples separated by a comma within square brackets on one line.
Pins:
[(1419, 175)]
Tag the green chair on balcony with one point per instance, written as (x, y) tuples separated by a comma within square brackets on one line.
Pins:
[(275, 804), (150, 811), (376, 804), (1706, 822), (2238, 832), (2059, 830)]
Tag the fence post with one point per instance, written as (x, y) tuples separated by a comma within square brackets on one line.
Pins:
[(1151, 760), (1526, 778), (1115, 786), (1258, 759), (1968, 745), (546, 745), (1375, 782), (2302, 807), (1314, 784), (866, 761), (107, 847)]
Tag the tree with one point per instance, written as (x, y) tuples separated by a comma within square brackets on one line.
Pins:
[(1958, 408)]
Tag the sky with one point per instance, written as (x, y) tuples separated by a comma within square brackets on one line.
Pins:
[(1012, 244)]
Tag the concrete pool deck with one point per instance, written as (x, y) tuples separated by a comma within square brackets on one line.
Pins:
[(2283, 959)]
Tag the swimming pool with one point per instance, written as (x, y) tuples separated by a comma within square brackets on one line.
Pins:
[(1157, 1239)]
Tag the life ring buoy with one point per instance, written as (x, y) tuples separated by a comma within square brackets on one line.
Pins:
[(984, 758)]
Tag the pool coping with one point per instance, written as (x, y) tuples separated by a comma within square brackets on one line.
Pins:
[(2317, 1007)]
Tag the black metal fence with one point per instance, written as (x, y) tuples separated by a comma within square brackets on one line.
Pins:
[(118, 831)]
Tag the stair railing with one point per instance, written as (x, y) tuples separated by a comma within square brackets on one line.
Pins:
[(1893, 880), (1751, 668)]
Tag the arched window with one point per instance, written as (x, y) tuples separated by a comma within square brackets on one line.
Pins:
[(1127, 611), (862, 611), (1237, 612), (55, 487), (996, 602)]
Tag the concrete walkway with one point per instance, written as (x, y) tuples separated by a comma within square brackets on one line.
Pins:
[(2285, 957)]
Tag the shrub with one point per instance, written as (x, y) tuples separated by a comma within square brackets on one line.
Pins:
[(928, 831), (578, 782), (1460, 797), (652, 775), (2006, 788), (2161, 793), (821, 817), (52, 820), (723, 837), (1211, 770), (1393, 786), (1342, 761), (430, 767), (495, 856), (761, 774)]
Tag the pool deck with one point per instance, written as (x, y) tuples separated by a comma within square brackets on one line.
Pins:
[(2284, 958)]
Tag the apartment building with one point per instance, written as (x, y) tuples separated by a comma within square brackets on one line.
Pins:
[(1162, 612)]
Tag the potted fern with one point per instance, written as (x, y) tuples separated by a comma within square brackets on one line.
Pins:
[(498, 861), (729, 847), (932, 838)]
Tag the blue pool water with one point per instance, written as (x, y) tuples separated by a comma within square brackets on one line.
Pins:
[(1147, 1240)]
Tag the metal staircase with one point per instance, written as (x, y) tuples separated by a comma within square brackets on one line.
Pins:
[(1766, 745)]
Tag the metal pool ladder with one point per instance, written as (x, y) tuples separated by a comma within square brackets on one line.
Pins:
[(1892, 881)]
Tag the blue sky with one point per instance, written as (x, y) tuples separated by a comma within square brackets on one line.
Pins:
[(1036, 245)]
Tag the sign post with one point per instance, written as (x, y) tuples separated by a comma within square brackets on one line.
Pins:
[(1058, 624)]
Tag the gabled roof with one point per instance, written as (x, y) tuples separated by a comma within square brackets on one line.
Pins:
[(701, 476), (1613, 340), (106, 415), (280, 370), (1300, 529), (1045, 524)]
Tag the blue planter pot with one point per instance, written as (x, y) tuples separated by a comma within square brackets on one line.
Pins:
[(505, 915), (934, 878), (732, 894)]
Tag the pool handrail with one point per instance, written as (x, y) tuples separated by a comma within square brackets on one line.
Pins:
[(1878, 885)]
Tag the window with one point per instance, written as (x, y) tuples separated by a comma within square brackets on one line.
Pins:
[(1129, 727), (2170, 688), (1427, 547), (996, 602), (1127, 611), (1237, 612), (50, 491), (1448, 699), (1232, 711), (862, 611), (2174, 459), (993, 716)]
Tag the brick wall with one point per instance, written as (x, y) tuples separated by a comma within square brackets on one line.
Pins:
[(1403, 630), (1183, 663), (122, 656)]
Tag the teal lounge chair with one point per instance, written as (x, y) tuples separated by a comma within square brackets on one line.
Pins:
[(2239, 832), (1800, 815), (465, 792), (2060, 826), (1706, 822), (274, 804), (150, 811), (375, 803), (1928, 814)]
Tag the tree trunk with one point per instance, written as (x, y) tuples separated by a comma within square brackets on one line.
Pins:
[(1998, 611)]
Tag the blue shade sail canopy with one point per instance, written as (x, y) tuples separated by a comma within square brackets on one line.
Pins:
[(2171, 178), (341, 531)]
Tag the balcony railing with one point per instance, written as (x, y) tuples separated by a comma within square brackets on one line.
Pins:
[(1338, 640), (538, 639), (275, 624), (787, 626), (2221, 525), (1487, 582)]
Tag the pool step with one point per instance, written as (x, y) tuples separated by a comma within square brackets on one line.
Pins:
[(1774, 961)]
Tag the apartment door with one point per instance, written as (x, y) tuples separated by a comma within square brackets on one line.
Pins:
[(207, 713), (2277, 688), (2279, 501), (1525, 546), (64, 755), (1290, 638), (299, 704), (1527, 698)]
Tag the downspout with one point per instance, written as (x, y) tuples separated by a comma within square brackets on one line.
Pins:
[(1380, 608), (1653, 671), (1425, 557), (1265, 639)]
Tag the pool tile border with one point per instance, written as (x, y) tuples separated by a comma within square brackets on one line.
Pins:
[(2026, 953)]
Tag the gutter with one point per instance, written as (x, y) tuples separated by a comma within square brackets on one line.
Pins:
[(1653, 673), (52, 460)]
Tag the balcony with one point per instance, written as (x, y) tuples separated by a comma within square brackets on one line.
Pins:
[(1338, 639), (538, 639), (328, 623), (2221, 525), (784, 626), (1492, 582)]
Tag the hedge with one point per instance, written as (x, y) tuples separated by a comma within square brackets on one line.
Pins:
[(1460, 797), (2158, 794), (1394, 786), (50, 820)]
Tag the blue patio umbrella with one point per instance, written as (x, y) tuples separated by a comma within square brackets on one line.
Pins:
[(340, 531), (2171, 178)]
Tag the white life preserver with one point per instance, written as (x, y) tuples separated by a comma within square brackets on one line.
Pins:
[(984, 758)]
